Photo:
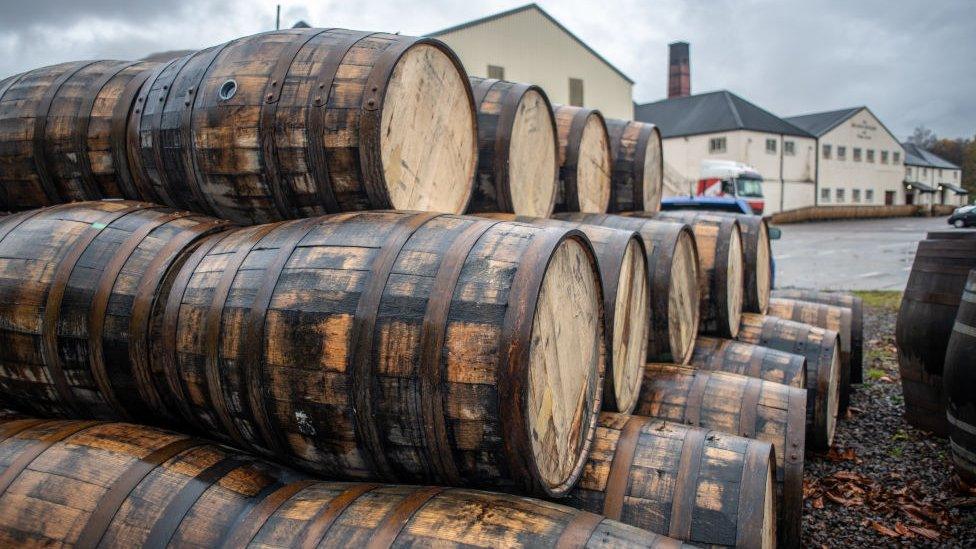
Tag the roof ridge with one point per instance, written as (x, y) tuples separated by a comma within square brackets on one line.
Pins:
[(733, 108)]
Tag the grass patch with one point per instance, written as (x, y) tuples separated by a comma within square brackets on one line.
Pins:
[(880, 299), (875, 374), (897, 452)]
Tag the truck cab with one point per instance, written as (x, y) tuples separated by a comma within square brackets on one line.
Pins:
[(732, 179)]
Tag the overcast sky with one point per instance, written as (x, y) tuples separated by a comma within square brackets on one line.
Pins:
[(912, 63)]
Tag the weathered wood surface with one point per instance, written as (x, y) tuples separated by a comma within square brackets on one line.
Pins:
[(518, 165), (839, 299), (829, 317), (672, 264), (626, 301), (638, 166), (585, 162), (735, 357), (721, 261), (705, 487), (821, 348), (960, 385), (758, 256), (77, 284), (303, 122), (742, 406), (925, 320), (62, 133), (90, 484)]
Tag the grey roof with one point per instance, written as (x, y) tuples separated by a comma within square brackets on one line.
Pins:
[(545, 14), (917, 156), (920, 186), (712, 112), (301, 25), (955, 188), (819, 123)]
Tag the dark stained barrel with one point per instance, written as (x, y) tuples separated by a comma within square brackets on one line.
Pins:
[(77, 286), (90, 484), (638, 166), (821, 348), (63, 133), (721, 259), (705, 487), (925, 320), (585, 162), (303, 122), (839, 299), (518, 167), (960, 385), (743, 406), (735, 357), (672, 264)]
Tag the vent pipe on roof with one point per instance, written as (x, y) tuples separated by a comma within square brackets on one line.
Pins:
[(679, 70)]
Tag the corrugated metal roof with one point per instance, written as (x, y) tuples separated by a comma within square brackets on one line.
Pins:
[(917, 156), (712, 112)]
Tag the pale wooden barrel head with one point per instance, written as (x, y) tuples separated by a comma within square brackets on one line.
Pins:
[(833, 395), (594, 167), (428, 141), (770, 508), (764, 269), (653, 174), (564, 363), (533, 170), (684, 299), (631, 327), (735, 282)]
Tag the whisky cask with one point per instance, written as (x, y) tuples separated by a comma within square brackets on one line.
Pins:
[(62, 133), (672, 264), (90, 484), (735, 357), (925, 320), (518, 167), (821, 348), (828, 317), (705, 487), (839, 299), (637, 180), (626, 301), (960, 385), (77, 285), (742, 406), (585, 163), (395, 346), (303, 122), (721, 261), (758, 257)]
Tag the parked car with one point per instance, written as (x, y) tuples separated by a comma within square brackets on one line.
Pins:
[(963, 216)]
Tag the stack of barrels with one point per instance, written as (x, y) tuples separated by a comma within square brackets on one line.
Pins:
[(264, 243)]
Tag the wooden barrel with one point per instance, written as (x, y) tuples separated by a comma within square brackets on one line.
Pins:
[(960, 385), (394, 345), (518, 168), (828, 317), (705, 487), (672, 264), (626, 302), (758, 257), (63, 133), (839, 299), (302, 122), (742, 406), (90, 484), (821, 348), (954, 234), (720, 256), (77, 285), (585, 163), (638, 166), (928, 311), (735, 357)]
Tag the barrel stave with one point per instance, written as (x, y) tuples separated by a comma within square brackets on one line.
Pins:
[(638, 166), (736, 357), (852, 302)]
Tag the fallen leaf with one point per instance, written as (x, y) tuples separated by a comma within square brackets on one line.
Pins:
[(902, 530), (925, 532), (817, 503), (885, 379), (883, 530)]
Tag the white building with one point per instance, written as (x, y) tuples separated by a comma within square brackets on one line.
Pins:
[(930, 179), (859, 160), (526, 44)]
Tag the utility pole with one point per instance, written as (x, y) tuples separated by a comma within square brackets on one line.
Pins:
[(278, 18)]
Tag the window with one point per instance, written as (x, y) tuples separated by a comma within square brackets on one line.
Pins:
[(856, 195), (826, 151), (576, 92), (839, 193), (925, 172), (716, 145), (771, 146), (841, 153), (857, 154), (789, 148), (908, 172), (870, 155), (884, 157), (869, 195), (896, 157), (825, 195), (494, 71)]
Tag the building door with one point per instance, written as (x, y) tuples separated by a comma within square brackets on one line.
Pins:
[(909, 198), (889, 198)]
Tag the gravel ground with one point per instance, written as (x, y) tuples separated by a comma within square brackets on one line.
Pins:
[(884, 482)]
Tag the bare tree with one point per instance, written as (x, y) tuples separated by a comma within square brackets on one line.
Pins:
[(923, 137)]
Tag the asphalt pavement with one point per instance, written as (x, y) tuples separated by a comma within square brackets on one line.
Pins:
[(867, 254)]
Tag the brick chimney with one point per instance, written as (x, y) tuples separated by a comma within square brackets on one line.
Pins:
[(679, 70)]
